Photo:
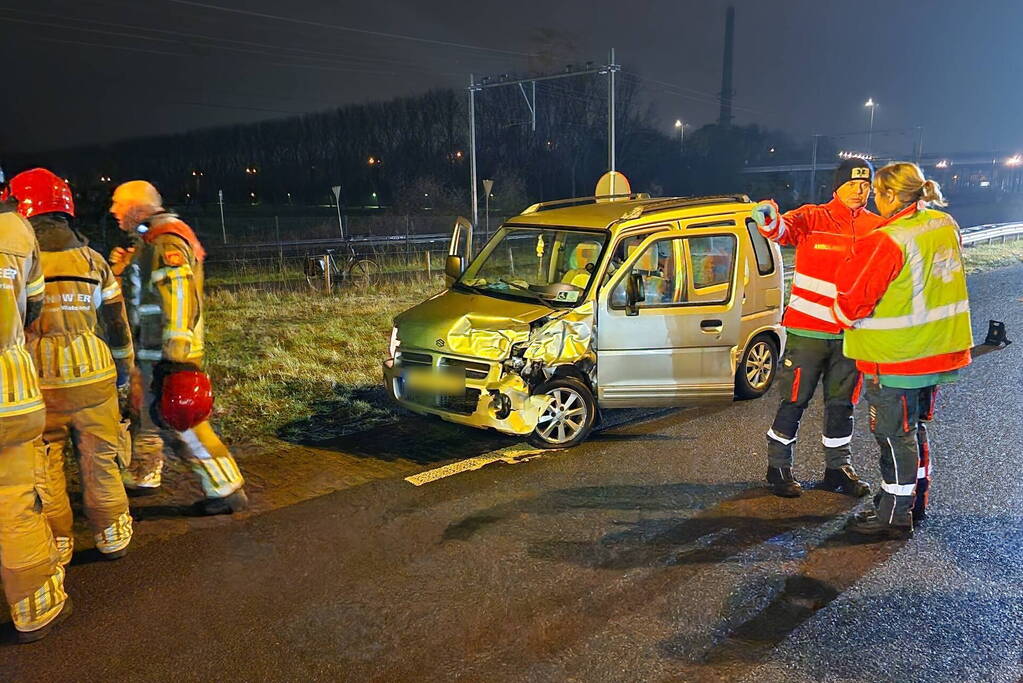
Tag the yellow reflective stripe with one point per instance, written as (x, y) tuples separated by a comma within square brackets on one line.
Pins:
[(112, 291), (36, 287), (122, 352), (169, 334), (87, 378), (161, 274)]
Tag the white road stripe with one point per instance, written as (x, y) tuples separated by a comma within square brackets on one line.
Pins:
[(510, 455)]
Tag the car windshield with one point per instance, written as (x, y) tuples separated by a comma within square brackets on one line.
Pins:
[(551, 264)]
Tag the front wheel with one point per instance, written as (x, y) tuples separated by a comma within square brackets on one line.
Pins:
[(757, 368), (568, 417)]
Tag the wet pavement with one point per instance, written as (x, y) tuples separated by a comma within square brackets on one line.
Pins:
[(649, 553)]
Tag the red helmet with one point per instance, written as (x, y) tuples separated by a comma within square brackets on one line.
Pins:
[(39, 191), (186, 399)]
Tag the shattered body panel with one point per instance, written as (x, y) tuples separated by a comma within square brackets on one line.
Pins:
[(524, 344)]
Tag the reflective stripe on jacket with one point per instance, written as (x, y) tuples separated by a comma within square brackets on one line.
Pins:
[(905, 298), (21, 280), (823, 235)]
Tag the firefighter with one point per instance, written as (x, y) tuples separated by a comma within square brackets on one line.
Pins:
[(30, 568), (903, 300), (822, 234), (81, 345), (170, 341)]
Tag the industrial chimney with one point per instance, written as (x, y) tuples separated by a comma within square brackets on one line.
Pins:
[(725, 117)]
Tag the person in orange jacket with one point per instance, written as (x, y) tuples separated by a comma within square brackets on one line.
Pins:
[(82, 348), (32, 575), (170, 339), (823, 235)]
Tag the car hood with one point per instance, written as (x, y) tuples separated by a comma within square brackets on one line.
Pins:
[(469, 324)]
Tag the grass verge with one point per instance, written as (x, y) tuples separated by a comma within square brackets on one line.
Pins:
[(294, 363)]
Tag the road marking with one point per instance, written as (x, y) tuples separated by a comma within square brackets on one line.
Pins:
[(509, 454)]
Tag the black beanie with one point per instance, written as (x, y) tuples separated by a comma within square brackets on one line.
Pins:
[(853, 168)]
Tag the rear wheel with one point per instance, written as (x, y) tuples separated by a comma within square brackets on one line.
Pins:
[(363, 272), (757, 368), (568, 417)]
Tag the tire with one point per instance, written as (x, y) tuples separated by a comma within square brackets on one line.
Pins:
[(570, 416), (757, 368), (363, 273)]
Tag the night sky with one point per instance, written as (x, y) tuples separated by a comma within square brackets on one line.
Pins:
[(83, 72)]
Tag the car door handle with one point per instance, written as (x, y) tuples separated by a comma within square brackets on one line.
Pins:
[(711, 326)]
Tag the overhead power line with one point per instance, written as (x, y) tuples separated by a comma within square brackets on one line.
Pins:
[(350, 29)]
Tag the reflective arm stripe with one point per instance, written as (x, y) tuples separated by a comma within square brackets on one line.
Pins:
[(150, 354), (899, 489), (915, 318), (815, 285), (122, 352), (177, 334), (110, 292), (149, 309), (35, 288), (818, 311), (836, 442), (841, 317)]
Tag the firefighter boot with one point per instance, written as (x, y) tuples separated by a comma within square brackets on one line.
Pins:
[(781, 482), (235, 502), (113, 541), (845, 480), (870, 524), (26, 637)]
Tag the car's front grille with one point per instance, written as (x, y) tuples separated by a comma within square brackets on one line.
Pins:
[(472, 369), (411, 358), (464, 405)]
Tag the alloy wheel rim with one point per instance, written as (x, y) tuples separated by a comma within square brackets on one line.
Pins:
[(759, 365), (563, 418)]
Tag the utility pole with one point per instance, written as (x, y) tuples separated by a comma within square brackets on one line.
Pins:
[(611, 69), (472, 151)]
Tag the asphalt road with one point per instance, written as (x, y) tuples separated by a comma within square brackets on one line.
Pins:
[(649, 553)]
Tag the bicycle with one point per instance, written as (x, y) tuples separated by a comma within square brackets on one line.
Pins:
[(325, 271)]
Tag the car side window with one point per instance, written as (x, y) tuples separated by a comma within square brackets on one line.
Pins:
[(761, 249), (662, 281), (712, 262)]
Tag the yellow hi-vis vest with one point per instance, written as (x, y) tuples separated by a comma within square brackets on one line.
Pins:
[(926, 310)]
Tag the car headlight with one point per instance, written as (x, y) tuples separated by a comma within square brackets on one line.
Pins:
[(393, 346)]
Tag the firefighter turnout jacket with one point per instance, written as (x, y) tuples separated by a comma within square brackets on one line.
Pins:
[(823, 235), (83, 335), (170, 310), (902, 295), (21, 285)]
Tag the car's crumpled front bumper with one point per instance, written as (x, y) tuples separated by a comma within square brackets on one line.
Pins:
[(483, 404)]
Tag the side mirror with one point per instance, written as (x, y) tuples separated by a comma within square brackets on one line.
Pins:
[(452, 269), (634, 290)]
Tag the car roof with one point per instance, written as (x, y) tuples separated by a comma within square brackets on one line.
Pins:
[(590, 212)]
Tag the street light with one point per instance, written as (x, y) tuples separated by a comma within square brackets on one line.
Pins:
[(870, 104), (681, 128)]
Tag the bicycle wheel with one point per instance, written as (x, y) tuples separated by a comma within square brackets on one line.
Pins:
[(364, 273), (313, 269)]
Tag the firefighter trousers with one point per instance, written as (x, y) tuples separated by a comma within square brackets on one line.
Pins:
[(898, 420), (87, 416), (200, 447), (29, 565), (807, 362)]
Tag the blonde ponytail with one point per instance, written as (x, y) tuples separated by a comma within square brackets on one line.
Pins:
[(907, 181)]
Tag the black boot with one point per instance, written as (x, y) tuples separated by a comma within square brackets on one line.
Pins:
[(235, 502), (781, 482), (845, 480), (25, 637), (869, 524)]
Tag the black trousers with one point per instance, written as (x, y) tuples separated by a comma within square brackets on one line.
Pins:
[(808, 362), (898, 420)]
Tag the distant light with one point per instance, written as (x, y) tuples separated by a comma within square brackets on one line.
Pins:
[(869, 102), (458, 154), (1014, 160), (426, 194), (374, 195), (252, 194), (944, 163), (372, 160), (678, 123), (771, 151), (860, 155), (985, 183)]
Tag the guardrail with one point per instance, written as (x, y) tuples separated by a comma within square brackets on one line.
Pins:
[(991, 231)]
